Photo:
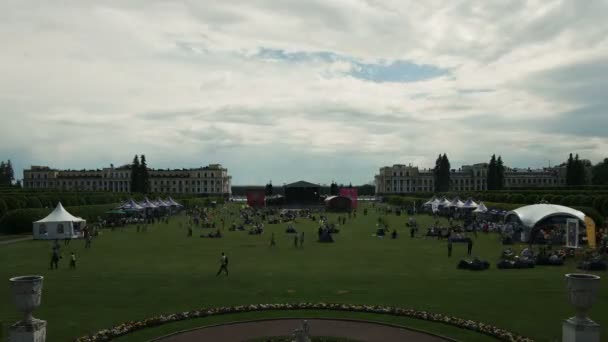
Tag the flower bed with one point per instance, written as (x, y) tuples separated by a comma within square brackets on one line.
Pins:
[(128, 327)]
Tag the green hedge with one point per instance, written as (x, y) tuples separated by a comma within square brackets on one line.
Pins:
[(19, 221)]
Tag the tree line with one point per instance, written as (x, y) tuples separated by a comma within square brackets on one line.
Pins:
[(7, 175), (140, 177)]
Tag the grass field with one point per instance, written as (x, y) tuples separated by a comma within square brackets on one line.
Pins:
[(130, 276)]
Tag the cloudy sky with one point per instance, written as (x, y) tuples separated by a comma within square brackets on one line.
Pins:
[(315, 89)]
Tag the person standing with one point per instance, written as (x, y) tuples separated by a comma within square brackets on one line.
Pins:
[(73, 261), (295, 240), (469, 247), (449, 247), (302, 239), (223, 265), (88, 240), (272, 241)]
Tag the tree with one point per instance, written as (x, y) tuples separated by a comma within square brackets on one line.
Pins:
[(500, 174), (269, 189), (7, 175), (570, 170), (492, 173), (333, 189), (135, 178), (445, 173), (600, 173), (579, 171), (144, 175), (10, 173), (437, 174)]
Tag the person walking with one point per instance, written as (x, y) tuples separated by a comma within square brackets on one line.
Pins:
[(223, 265), (55, 258), (469, 247), (88, 240), (449, 247), (272, 241), (295, 241), (302, 239), (73, 261)]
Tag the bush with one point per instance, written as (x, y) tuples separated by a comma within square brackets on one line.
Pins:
[(19, 221), (594, 214), (33, 202), (3, 207), (12, 203)]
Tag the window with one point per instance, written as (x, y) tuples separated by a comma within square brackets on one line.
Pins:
[(60, 228), (42, 229)]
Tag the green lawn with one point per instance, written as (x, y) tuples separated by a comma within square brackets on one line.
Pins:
[(131, 276)]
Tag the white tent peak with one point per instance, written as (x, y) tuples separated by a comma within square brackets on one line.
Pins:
[(59, 214)]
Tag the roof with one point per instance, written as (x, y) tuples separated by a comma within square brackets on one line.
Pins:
[(530, 215), (302, 184), (59, 214), (331, 198), (481, 208)]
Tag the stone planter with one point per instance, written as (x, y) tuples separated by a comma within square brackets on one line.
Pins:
[(27, 293), (582, 294)]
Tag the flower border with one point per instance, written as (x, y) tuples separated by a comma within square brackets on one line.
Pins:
[(129, 327)]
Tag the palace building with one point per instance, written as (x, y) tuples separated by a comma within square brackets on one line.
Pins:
[(402, 179), (209, 180)]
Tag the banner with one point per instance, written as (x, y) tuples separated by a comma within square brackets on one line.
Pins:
[(256, 198), (590, 224), (572, 233), (350, 193)]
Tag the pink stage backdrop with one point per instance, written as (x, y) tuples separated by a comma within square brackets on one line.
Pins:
[(350, 193)]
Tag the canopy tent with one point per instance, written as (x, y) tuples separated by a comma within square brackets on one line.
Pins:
[(470, 204), (481, 208), (530, 215), (429, 202), (162, 203), (147, 204), (130, 205), (172, 202), (456, 203), (59, 224), (444, 202)]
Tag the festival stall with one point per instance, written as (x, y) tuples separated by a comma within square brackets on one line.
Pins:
[(59, 224)]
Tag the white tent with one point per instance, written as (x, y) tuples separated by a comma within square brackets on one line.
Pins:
[(59, 224), (430, 202), (530, 215), (444, 203), (456, 203), (469, 204), (481, 208)]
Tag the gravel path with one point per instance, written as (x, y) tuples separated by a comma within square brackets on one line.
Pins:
[(357, 330)]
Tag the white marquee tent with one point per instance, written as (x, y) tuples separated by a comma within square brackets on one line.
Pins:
[(530, 215), (59, 224), (481, 208)]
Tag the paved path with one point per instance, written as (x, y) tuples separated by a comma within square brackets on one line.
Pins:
[(7, 242), (356, 330)]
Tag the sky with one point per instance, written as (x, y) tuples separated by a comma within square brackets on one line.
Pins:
[(318, 90)]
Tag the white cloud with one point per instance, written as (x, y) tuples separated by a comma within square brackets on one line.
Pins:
[(88, 83)]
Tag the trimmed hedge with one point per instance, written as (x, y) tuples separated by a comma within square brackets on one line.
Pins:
[(19, 221)]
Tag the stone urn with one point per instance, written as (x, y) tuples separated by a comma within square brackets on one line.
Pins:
[(27, 292), (582, 293)]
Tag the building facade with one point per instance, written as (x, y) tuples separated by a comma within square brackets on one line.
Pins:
[(403, 179), (209, 180)]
